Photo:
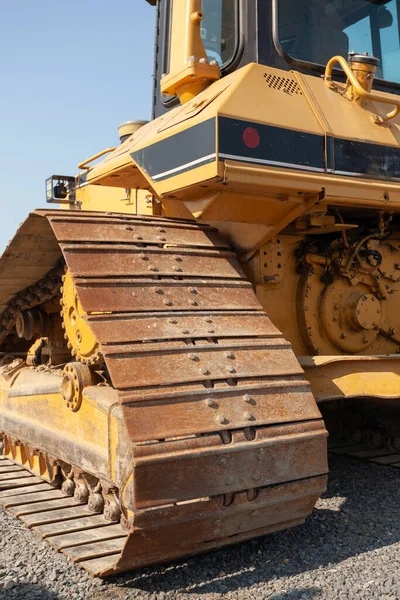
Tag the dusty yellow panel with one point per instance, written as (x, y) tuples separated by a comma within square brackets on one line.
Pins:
[(90, 427), (45, 421), (348, 376), (270, 96), (182, 185), (345, 119), (106, 199)]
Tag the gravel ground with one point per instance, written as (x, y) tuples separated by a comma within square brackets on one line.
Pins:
[(349, 549)]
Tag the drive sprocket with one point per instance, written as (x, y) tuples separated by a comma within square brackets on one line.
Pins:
[(81, 341)]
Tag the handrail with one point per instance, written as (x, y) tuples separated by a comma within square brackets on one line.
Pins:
[(374, 97), (83, 165)]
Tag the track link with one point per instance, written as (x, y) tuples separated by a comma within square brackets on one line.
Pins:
[(226, 440), (379, 456), (69, 526)]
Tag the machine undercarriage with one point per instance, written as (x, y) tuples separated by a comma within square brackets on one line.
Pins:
[(169, 358)]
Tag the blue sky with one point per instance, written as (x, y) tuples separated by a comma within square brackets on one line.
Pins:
[(70, 72)]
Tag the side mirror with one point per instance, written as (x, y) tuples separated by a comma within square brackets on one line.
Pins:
[(385, 18)]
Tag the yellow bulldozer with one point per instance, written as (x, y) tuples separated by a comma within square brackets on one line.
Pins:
[(171, 334)]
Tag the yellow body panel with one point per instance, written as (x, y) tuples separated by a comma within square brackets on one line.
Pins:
[(249, 95)]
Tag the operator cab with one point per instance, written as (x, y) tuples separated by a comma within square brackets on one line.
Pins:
[(287, 34)]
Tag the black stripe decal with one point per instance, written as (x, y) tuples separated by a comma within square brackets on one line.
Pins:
[(366, 159), (179, 153), (276, 147)]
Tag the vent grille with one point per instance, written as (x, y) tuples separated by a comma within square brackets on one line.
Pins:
[(283, 84)]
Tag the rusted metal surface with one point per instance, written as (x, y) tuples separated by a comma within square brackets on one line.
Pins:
[(127, 328), (183, 411), (69, 525), (174, 471), (162, 364), (119, 260), (113, 295), (200, 526), (194, 357), (138, 230)]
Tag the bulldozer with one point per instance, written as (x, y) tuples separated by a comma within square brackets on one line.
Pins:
[(174, 331)]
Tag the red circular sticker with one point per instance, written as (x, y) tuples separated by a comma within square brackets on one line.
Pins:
[(251, 137)]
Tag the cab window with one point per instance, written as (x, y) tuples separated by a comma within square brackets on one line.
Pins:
[(219, 30), (313, 31)]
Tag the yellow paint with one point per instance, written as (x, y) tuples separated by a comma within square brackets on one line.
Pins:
[(80, 337), (241, 186), (190, 72), (94, 429), (352, 376)]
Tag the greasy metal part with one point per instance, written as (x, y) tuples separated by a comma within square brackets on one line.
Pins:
[(346, 298), (34, 295), (32, 323), (76, 377), (214, 403)]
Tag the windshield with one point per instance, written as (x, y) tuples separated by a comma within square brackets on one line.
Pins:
[(316, 30), (218, 30)]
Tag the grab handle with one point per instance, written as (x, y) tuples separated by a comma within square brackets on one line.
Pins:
[(372, 96)]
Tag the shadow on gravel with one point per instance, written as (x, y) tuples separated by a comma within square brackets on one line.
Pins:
[(296, 594), (355, 515), (26, 591)]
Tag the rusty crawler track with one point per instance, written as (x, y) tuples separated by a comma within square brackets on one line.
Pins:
[(365, 452), (226, 440), (69, 526)]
